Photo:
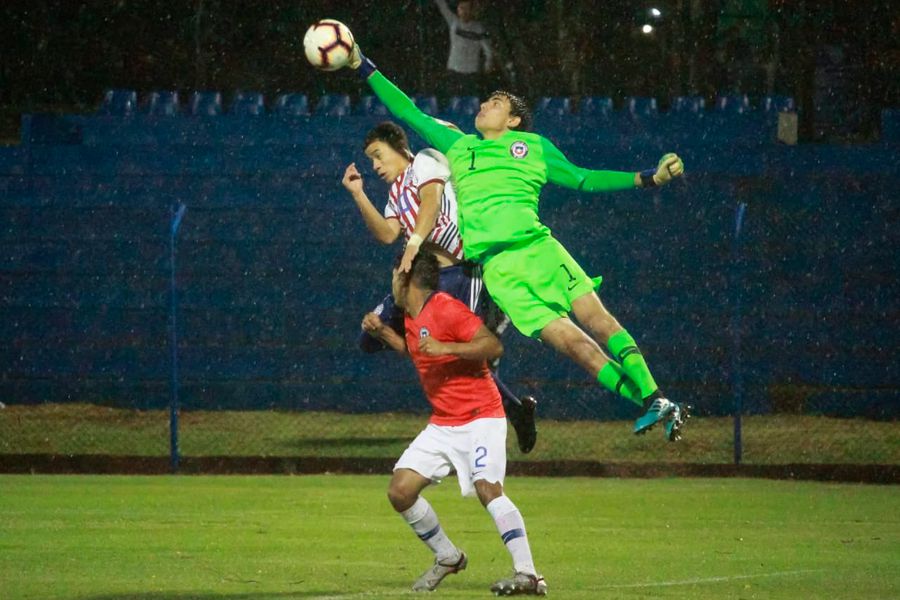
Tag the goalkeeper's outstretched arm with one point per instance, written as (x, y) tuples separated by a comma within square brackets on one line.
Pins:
[(401, 106), (562, 172)]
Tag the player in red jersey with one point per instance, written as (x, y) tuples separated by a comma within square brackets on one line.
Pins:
[(450, 347), (421, 209)]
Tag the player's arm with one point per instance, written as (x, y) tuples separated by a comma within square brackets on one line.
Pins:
[(373, 325), (484, 345), (562, 172), (429, 209), (401, 106), (434, 171), (385, 230), (445, 11), (488, 53)]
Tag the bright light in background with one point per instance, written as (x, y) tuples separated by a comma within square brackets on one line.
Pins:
[(655, 12), (647, 29)]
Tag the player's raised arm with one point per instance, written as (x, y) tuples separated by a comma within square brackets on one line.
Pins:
[(446, 12), (562, 172), (429, 209), (435, 172), (401, 106), (384, 229)]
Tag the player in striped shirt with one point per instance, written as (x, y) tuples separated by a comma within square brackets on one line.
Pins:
[(498, 177), (422, 208), (450, 347)]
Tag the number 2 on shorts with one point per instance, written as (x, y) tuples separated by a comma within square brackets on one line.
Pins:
[(480, 457)]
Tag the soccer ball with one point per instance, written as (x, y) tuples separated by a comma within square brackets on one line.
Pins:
[(328, 45)]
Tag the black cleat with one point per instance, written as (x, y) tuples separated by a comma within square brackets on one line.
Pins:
[(523, 422)]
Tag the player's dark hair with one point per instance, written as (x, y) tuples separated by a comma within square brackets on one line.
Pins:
[(392, 135), (425, 272), (517, 108)]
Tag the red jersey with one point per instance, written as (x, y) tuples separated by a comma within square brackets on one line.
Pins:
[(459, 390)]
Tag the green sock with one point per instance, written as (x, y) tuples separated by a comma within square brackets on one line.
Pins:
[(613, 378), (625, 350)]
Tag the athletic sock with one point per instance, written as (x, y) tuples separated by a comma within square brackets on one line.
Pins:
[(625, 350), (613, 378), (423, 520), (512, 531)]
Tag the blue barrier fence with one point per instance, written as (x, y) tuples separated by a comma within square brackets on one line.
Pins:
[(275, 267)]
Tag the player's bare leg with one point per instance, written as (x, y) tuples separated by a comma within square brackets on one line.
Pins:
[(404, 494), (604, 327), (571, 340), (568, 338), (405, 487), (511, 526), (591, 313)]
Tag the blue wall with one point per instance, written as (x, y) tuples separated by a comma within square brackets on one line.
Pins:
[(276, 268)]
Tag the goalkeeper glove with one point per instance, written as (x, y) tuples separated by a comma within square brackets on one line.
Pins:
[(670, 166), (363, 65)]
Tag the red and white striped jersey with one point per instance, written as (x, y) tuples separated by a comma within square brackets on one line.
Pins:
[(428, 166)]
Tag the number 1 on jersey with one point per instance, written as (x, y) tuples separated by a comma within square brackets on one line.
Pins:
[(472, 164)]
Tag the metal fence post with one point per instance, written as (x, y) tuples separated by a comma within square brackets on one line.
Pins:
[(177, 215), (736, 363)]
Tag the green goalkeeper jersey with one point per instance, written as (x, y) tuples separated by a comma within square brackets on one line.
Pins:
[(498, 182)]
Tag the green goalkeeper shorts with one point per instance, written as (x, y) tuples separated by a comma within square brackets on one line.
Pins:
[(536, 283)]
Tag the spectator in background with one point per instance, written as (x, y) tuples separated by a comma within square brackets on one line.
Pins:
[(470, 52)]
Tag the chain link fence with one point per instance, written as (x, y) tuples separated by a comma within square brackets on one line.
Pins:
[(88, 429), (273, 269)]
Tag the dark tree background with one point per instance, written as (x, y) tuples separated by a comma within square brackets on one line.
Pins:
[(62, 54)]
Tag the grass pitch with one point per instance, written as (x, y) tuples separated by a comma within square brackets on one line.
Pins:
[(335, 537)]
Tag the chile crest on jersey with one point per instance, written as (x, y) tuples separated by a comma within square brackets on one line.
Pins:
[(518, 149)]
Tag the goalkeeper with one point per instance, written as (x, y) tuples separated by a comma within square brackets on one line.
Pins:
[(498, 178)]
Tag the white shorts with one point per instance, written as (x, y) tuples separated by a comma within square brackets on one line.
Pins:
[(476, 451)]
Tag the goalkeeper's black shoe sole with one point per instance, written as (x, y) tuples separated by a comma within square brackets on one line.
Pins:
[(521, 416), (525, 426)]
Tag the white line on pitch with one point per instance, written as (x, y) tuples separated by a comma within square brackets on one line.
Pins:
[(706, 580), (363, 595)]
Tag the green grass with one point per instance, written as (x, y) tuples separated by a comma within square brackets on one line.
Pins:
[(283, 537), (770, 439)]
